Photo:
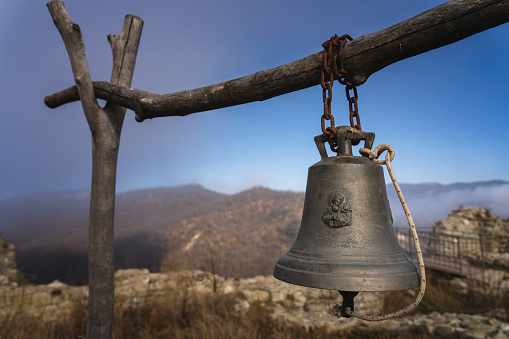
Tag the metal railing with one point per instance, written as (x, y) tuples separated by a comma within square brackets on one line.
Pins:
[(455, 252)]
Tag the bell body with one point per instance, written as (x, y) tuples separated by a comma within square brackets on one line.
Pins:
[(346, 240)]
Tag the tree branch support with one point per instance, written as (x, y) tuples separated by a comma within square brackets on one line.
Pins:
[(105, 125)]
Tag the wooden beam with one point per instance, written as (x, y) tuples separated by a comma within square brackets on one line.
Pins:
[(440, 26)]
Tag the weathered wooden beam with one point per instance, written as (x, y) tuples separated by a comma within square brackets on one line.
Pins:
[(440, 26), (105, 125)]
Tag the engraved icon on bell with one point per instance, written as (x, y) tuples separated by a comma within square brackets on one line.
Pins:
[(337, 213)]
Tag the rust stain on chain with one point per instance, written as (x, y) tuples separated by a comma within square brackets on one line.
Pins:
[(333, 68)]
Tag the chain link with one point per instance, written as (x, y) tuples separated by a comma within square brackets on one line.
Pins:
[(327, 81), (333, 68), (353, 108)]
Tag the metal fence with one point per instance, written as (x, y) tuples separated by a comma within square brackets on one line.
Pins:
[(456, 252)]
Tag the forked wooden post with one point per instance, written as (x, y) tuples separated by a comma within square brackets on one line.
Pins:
[(440, 26), (105, 125)]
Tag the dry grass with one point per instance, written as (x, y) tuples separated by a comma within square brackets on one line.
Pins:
[(180, 315), (441, 297), (210, 315), (19, 325)]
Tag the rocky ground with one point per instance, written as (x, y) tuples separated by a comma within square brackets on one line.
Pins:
[(289, 304)]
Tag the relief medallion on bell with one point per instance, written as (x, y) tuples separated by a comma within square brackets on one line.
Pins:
[(338, 212)]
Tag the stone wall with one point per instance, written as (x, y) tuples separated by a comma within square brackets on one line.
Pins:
[(9, 275), (136, 286)]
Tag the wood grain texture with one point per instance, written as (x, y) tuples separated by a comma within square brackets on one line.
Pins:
[(365, 55)]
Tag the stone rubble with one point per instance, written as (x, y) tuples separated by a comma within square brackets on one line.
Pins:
[(290, 304), (9, 275), (494, 232)]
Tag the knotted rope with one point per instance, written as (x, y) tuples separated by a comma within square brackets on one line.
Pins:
[(373, 155)]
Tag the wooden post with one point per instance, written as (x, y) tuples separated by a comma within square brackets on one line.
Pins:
[(106, 126)]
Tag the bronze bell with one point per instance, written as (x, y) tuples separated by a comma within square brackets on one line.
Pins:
[(346, 240)]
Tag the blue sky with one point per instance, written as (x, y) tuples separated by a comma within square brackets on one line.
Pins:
[(445, 112)]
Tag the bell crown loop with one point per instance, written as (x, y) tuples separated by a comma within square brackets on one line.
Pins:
[(344, 136)]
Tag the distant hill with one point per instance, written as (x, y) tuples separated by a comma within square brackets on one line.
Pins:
[(234, 235), (43, 218), (61, 218), (241, 235), (50, 230)]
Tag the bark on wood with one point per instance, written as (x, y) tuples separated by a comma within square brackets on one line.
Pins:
[(440, 26), (105, 125)]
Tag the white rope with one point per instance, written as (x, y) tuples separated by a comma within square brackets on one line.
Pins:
[(373, 155)]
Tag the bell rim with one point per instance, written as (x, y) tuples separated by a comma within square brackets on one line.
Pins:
[(358, 274), (322, 280)]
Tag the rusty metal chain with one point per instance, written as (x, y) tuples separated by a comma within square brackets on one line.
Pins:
[(333, 68), (327, 94)]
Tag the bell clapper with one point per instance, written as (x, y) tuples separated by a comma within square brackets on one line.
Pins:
[(340, 311)]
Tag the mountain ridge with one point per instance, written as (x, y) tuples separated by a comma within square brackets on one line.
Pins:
[(199, 227)]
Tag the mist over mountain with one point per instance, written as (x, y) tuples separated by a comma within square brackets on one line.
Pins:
[(431, 202), (236, 235), (50, 230)]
